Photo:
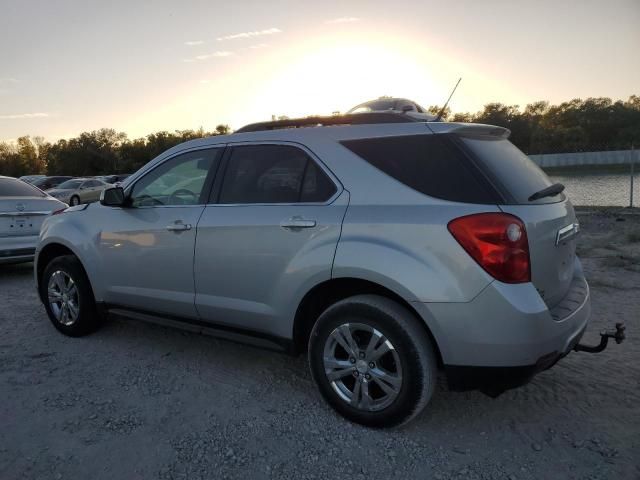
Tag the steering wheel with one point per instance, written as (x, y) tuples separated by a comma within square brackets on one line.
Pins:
[(146, 201), (177, 197)]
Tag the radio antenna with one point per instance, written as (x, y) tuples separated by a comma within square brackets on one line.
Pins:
[(447, 102)]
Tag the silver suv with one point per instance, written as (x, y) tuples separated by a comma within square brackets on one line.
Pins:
[(385, 247)]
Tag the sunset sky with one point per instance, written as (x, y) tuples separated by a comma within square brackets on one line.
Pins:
[(74, 65)]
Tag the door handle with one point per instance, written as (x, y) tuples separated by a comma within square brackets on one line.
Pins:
[(178, 227), (297, 222)]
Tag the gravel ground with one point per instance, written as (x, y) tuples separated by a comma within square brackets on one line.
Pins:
[(142, 401)]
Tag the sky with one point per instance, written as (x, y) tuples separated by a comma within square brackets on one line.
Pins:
[(68, 66)]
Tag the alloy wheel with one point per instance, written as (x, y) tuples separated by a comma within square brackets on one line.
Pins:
[(63, 298), (362, 366)]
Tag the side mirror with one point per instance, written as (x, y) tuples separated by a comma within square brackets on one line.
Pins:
[(112, 197)]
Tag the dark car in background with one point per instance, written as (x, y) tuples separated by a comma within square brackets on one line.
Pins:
[(30, 178), (49, 182)]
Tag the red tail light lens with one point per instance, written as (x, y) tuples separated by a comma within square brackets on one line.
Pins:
[(498, 242)]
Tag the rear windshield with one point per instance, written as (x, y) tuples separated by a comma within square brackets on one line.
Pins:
[(510, 169), (430, 164), (11, 187)]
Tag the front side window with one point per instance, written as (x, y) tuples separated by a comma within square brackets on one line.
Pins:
[(273, 174), (179, 181)]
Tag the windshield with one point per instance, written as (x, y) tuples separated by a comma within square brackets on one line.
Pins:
[(70, 184), (10, 187)]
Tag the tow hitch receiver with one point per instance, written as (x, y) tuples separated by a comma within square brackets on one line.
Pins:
[(605, 335)]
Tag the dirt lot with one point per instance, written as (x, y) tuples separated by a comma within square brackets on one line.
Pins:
[(143, 401)]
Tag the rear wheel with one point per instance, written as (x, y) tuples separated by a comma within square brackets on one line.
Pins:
[(372, 361), (68, 298), (75, 200)]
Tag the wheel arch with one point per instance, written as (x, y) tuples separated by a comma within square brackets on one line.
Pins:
[(47, 254), (325, 294)]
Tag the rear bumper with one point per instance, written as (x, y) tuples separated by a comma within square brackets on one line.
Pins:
[(509, 326), (17, 249), (495, 380)]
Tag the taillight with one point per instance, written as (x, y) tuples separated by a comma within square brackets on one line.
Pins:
[(58, 212), (498, 242)]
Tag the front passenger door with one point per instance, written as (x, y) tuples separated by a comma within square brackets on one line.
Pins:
[(147, 247)]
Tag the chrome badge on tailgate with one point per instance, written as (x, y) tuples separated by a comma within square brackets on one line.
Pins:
[(565, 233)]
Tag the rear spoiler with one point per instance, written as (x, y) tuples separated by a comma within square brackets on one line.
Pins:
[(470, 129)]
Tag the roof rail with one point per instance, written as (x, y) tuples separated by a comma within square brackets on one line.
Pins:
[(350, 119)]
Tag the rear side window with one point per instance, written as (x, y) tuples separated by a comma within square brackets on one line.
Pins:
[(273, 174), (429, 164), (10, 187), (511, 169)]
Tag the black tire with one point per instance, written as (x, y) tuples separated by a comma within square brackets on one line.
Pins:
[(88, 319), (412, 345)]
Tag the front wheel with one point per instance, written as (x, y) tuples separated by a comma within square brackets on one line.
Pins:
[(68, 297), (373, 361)]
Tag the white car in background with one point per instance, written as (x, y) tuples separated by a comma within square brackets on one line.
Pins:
[(79, 190), (22, 210)]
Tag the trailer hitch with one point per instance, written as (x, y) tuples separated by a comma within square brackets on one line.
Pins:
[(618, 335)]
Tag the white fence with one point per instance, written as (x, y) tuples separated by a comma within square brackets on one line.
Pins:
[(614, 157)]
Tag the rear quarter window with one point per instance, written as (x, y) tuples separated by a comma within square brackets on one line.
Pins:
[(427, 163)]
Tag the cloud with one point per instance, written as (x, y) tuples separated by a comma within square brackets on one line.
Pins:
[(19, 116), (342, 20), (7, 80), (258, 45), (257, 33), (207, 56), (193, 43)]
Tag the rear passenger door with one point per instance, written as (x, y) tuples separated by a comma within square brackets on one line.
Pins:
[(268, 234)]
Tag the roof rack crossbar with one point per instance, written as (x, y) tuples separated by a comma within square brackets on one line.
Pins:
[(349, 119)]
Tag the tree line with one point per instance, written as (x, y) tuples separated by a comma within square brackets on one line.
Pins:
[(594, 124), (100, 152)]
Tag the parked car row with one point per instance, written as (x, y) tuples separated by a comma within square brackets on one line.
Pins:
[(53, 181), (78, 190), (74, 190), (26, 201)]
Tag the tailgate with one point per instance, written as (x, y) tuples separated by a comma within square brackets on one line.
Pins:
[(551, 230)]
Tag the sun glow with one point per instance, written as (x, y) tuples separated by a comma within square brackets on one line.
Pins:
[(336, 77), (323, 74)]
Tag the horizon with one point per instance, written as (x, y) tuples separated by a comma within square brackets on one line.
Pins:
[(117, 66)]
